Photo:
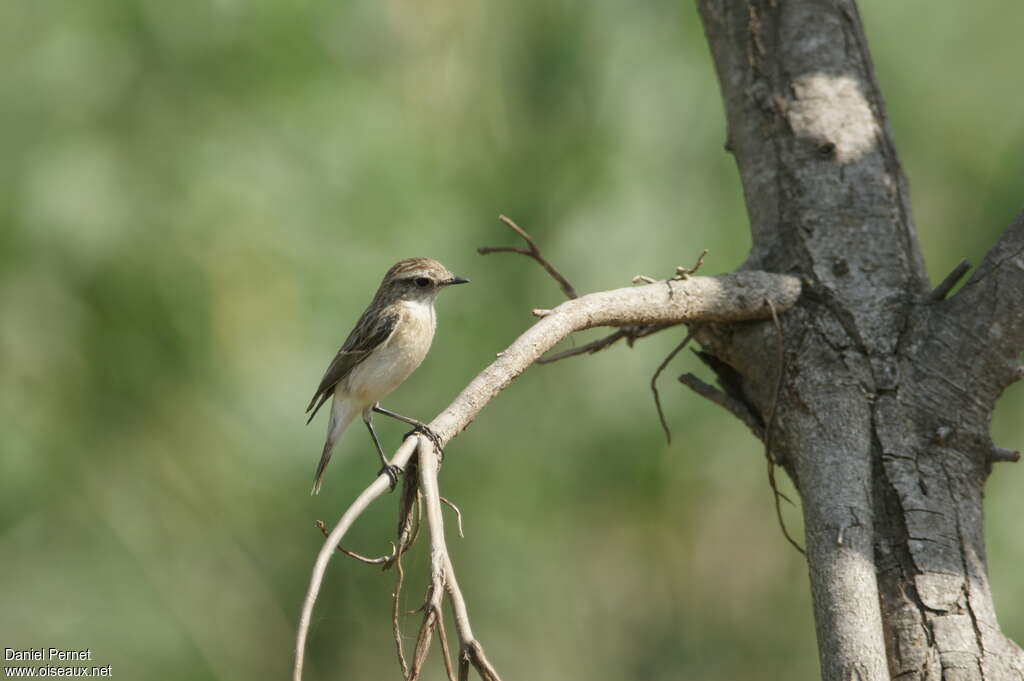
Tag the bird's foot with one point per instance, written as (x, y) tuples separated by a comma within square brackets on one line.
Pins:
[(431, 435), (394, 472)]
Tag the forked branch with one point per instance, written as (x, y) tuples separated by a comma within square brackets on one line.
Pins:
[(531, 251), (442, 575)]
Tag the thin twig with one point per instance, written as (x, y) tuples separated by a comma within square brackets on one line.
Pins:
[(589, 348), (654, 384), (380, 560), (769, 428), (685, 272), (946, 285), (630, 333), (531, 252), (458, 516)]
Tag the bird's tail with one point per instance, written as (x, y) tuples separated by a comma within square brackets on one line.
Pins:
[(341, 417), (322, 466)]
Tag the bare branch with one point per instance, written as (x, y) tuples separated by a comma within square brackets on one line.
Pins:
[(729, 297), (532, 251), (724, 298)]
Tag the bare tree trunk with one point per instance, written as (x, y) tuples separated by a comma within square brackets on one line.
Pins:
[(888, 392)]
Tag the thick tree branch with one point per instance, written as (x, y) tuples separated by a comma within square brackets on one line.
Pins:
[(893, 519), (826, 199), (723, 298)]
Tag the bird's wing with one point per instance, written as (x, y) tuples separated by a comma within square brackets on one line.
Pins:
[(371, 331)]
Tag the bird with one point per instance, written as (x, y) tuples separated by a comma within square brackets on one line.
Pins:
[(391, 339)]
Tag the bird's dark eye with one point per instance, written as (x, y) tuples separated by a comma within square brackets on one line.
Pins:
[(422, 282)]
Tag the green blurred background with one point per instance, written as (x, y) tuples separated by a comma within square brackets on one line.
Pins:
[(199, 197)]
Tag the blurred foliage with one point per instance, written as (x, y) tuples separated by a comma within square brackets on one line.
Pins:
[(197, 198)]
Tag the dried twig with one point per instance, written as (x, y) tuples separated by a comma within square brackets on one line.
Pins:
[(532, 251), (681, 274), (380, 560), (458, 515), (630, 333), (685, 272), (654, 384), (588, 349)]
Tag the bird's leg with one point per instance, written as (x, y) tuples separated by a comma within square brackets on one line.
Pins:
[(392, 471), (417, 426)]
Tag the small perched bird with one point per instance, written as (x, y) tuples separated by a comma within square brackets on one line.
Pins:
[(387, 344)]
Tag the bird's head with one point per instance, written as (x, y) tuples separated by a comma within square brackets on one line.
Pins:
[(417, 279)]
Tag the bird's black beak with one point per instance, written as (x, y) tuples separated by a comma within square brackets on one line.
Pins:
[(456, 280)]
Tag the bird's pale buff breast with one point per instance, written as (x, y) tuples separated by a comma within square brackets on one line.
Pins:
[(395, 359)]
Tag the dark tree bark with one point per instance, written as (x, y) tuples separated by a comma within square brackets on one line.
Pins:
[(888, 389)]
